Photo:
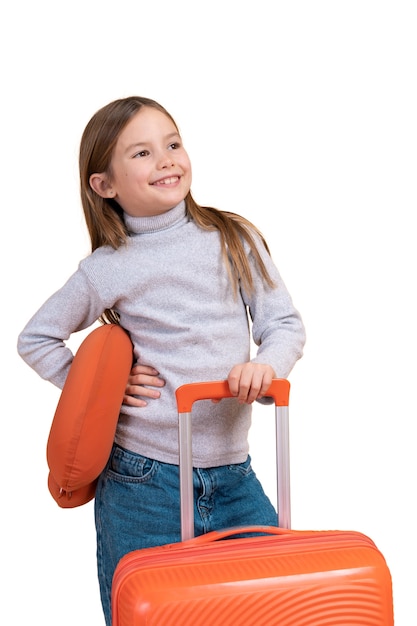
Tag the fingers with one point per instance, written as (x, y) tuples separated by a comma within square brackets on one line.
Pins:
[(250, 381), (141, 385), (139, 375), (247, 382), (134, 401)]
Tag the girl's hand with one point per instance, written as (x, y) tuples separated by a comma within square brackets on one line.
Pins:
[(136, 392), (250, 381)]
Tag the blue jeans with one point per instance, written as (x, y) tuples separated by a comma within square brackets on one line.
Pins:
[(137, 506)]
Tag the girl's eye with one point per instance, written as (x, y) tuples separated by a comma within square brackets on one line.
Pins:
[(142, 153), (175, 145)]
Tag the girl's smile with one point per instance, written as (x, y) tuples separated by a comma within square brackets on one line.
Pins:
[(172, 180)]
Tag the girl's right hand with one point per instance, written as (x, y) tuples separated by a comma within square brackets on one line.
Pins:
[(136, 392)]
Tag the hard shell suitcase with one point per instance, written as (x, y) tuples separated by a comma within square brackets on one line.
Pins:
[(277, 577)]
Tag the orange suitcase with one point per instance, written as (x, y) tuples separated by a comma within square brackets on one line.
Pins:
[(277, 577)]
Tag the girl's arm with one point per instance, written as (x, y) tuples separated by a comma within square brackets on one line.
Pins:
[(76, 306), (42, 343), (277, 331)]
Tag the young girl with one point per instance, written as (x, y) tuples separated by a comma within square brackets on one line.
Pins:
[(183, 280)]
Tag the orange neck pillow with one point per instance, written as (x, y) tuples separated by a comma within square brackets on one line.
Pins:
[(85, 420)]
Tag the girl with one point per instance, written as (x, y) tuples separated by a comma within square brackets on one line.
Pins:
[(183, 280)]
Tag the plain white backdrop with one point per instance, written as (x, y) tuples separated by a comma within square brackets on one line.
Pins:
[(299, 115)]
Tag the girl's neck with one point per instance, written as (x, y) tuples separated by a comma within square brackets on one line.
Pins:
[(138, 225)]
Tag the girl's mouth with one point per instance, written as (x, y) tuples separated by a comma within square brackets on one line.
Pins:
[(171, 180)]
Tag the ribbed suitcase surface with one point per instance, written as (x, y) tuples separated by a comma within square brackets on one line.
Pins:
[(292, 578)]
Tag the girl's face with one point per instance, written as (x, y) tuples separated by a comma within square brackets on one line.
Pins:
[(151, 171)]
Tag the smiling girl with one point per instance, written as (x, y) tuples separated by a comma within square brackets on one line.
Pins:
[(187, 283)]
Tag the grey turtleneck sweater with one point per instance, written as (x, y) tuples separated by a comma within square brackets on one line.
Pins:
[(171, 289)]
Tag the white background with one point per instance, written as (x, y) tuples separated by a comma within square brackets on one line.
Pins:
[(302, 117)]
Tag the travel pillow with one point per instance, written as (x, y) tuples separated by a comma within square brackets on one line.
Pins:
[(85, 420)]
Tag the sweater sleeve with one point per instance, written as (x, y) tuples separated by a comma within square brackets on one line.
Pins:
[(277, 327), (41, 344)]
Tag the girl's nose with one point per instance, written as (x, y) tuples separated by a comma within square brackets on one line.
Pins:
[(166, 161)]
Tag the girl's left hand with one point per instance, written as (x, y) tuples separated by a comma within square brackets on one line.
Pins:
[(250, 381)]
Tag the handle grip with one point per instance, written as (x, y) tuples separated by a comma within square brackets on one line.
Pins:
[(216, 535), (186, 395)]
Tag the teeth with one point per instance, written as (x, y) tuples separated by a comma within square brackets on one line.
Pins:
[(168, 181)]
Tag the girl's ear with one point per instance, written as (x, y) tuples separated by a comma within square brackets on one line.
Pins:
[(101, 185)]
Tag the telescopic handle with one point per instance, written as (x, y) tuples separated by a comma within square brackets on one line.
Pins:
[(186, 395)]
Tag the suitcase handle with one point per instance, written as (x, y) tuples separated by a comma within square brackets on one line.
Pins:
[(216, 535), (186, 395)]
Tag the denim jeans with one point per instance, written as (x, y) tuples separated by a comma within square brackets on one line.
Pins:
[(137, 506)]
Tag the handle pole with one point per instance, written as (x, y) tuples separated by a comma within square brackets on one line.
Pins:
[(186, 395), (186, 477), (283, 466)]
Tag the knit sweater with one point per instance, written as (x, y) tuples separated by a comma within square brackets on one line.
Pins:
[(170, 286)]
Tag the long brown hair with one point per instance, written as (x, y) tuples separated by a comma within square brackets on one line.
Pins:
[(104, 216)]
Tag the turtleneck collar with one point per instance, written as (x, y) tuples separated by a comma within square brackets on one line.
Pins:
[(141, 225)]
